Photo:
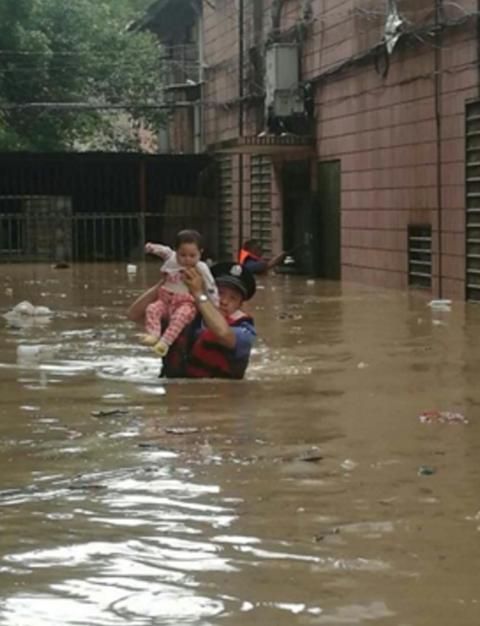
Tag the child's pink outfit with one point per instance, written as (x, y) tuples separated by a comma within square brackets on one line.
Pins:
[(174, 300)]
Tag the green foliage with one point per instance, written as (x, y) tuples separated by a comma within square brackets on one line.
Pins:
[(75, 51)]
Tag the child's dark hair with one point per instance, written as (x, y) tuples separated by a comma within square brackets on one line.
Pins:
[(188, 236)]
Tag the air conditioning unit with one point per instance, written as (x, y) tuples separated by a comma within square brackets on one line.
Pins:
[(284, 97)]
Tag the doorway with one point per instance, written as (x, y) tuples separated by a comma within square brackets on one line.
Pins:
[(326, 222), (297, 202), (311, 221)]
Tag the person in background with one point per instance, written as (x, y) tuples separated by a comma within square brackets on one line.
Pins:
[(219, 341), (174, 302), (251, 257)]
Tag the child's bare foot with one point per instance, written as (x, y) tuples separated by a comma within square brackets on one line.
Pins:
[(148, 340), (161, 348)]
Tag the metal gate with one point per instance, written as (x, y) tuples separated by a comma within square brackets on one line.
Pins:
[(35, 227), (107, 237), (51, 237), (225, 226), (261, 197), (45, 235), (472, 222), (100, 207)]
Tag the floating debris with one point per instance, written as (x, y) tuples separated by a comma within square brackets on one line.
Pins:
[(150, 445), (426, 470), (289, 316), (24, 308), (206, 450), (442, 417), (180, 430), (440, 305), (42, 311), (327, 533), (87, 487), (110, 412), (311, 456), (28, 309)]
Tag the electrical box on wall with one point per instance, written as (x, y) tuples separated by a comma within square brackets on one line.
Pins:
[(283, 94)]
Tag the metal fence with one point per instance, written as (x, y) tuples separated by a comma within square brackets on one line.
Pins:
[(76, 238), (106, 237), (101, 208), (472, 218), (181, 65)]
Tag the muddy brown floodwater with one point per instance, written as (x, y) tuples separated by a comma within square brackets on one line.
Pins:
[(293, 497)]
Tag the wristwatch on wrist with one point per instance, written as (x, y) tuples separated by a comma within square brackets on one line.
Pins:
[(202, 298)]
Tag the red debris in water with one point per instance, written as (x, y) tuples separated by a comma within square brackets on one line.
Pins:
[(442, 417)]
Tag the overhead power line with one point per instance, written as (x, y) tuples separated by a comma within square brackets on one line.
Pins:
[(84, 106)]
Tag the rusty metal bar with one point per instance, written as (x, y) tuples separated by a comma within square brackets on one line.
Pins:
[(94, 233), (142, 198), (74, 239), (104, 239), (122, 240), (112, 230)]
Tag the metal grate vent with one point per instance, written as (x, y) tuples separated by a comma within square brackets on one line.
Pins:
[(472, 223), (225, 197), (261, 214), (420, 256)]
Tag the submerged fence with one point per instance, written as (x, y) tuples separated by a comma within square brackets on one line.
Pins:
[(101, 207)]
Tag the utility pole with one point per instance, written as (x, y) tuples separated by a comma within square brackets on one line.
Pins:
[(438, 125), (241, 63)]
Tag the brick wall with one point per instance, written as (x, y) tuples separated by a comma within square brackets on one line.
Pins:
[(221, 91), (181, 131), (384, 132), (383, 129), (221, 73)]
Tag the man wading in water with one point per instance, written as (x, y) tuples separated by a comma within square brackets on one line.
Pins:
[(218, 342), (251, 257)]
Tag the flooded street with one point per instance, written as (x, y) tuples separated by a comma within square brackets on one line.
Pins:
[(296, 496)]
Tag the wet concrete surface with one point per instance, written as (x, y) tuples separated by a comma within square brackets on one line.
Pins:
[(293, 497)]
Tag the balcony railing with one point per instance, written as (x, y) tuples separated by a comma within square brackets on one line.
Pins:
[(181, 66)]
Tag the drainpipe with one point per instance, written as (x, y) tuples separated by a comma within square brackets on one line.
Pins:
[(478, 45), (438, 125), (240, 118), (198, 123)]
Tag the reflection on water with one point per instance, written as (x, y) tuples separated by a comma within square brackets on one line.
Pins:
[(291, 497)]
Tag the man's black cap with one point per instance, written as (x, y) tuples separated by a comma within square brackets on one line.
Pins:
[(237, 276)]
